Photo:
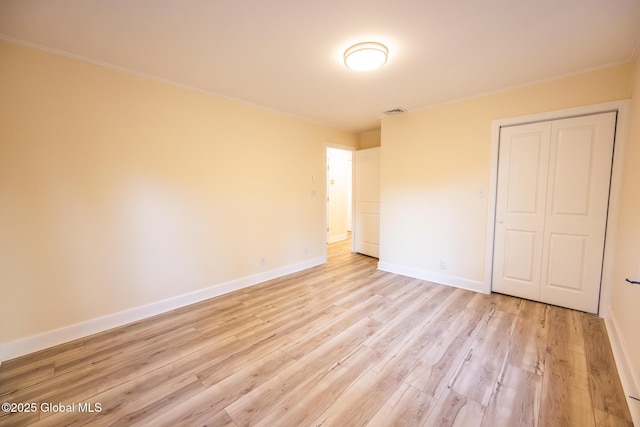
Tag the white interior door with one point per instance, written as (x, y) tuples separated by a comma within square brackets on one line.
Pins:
[(366, 234), (577, 203), (520, 209), (551, 210)]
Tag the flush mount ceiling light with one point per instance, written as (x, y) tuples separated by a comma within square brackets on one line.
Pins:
[(366, 56)]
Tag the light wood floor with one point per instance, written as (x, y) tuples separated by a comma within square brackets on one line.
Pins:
[(337, 345)]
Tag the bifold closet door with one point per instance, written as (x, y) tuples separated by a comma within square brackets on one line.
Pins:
[(523, 168), (551, 210)]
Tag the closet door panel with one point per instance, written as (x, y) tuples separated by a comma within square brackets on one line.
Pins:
[(520, 209), (580, 160)]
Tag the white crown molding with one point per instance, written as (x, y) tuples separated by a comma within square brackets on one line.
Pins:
[(159, 79)]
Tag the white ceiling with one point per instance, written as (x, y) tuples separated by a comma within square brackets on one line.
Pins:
[(286, 55)]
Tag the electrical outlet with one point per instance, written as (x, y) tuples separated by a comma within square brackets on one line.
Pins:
[(263, 260), (306, 251), (443, 264)]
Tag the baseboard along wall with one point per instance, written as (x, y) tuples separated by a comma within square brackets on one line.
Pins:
[(630, 384), (429, 276), (23, 346)]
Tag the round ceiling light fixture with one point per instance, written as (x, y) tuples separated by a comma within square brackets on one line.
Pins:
[(366, 56)]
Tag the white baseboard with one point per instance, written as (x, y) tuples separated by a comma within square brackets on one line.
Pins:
[(337, 238), (429, 276), (54, 337), (630, 383)]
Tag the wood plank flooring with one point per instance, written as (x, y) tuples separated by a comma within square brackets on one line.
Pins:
[(337, 345)]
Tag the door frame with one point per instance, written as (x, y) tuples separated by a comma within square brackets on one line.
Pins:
[(326, 190), (622, 108)]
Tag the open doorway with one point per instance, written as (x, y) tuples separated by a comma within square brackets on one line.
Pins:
[(339, 193)]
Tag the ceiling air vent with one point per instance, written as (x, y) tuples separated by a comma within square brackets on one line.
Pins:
[(395, 111)]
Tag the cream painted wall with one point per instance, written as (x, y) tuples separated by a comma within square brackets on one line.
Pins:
[(369, 139), (435, 161), (625, 298), (117, 191)]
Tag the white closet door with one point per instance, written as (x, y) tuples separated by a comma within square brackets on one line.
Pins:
[(551, 210), (520, 209), (366, 233), (577, 203)]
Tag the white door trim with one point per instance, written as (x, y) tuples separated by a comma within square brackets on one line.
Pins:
[(326, 190), (622, 107)]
